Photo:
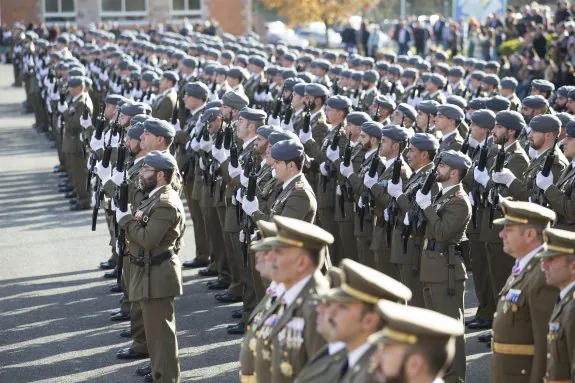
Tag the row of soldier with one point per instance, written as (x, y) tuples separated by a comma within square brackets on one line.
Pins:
[(405, 169)]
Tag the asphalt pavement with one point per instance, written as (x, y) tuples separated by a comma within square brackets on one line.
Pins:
[(54, 302)]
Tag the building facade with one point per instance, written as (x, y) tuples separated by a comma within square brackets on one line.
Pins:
[(234, 16)]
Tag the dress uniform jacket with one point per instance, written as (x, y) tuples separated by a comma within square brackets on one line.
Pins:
[(313, 148), (436, 96), (357, 159), (294, 337), (452, 142), (296, 200), (369, 97), (515, 103), (323, 367), (183, 136), (561, 198), (362, 371), (523, 188), (520, 326), (157, 229), (561, 341), (164, 105), (297, 121), (73, 132), (251, 86)]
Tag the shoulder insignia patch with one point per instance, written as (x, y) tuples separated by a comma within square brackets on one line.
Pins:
[(459, 194), (299, 185)]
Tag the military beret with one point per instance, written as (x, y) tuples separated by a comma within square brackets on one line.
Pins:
[(479, 65), (456, 160), (456, 71), (123, 65), (250, 114), (63, 39), (423, 65), (221, 70), (210, 115), (545, 123), (425, 76), (451, 111), (428, 106), (368, 61), (140, 118), (457, 100), (160, 128), (390, 56), (570, 129), (197, 90), (441, 68), (276, 137), (572, 94), (346, 73), (510, 119), (557, 242), (381, 66), (75, 81), (543, 85), (477, 103), (492, 65), (497, 103), (407, 110), (160, 160), (358, 118), (483, 118), (564, 90), (213, 104), (385, 102), (478, 75), (361, 283), (372, 128), (395, 132), (287, 150), (171, 75), (414, 60), (290, 83), (149, 76), (133, 108), (266, 130), (287, 73), (114, 99), (299, 88), (356, 76), (242, 59), (339, 102), (228, 55), (355, 62), (321, 64), (336, 69), (258, 61), (236, 100), (190, 62), (370, 76), (136, 130), (410, 325), (535, 102), (525, 213), (289, 57), (491, 79), (508, 83), (316, 90), (395, 70), (271, 71), (305, 77), (565, 118), (76, 72), (409, 73), (424, 141), (237, 73), (402, 59), (441, 56)]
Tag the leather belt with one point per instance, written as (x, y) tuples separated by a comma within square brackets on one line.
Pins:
[(248, 378), (155, 261), (433, 245), (513, 349)]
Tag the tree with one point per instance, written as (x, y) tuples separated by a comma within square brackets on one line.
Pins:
[(328, 11)]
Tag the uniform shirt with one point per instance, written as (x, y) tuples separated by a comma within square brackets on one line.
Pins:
[(246, 143), (521, 263), (566, 289), (291, 294), (447, 135), (445, 190), (335, 347), (388, 163), (354, 356)]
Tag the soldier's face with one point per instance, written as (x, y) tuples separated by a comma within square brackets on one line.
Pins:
[(242, 128), (561, 101), (569, 147), (499, 134), (536, 139), (347, 319), (397, 117), (386, 147), (110, 111), (422, 119), (261, 265), (517, 239), (443, 172), (389, 361), (297, 101), (134, 146), (148, 179), (261, 144), (558, 270), (322, 323), (286, 264), (364, 141), (571, 105), (124, 120), (415, 157)]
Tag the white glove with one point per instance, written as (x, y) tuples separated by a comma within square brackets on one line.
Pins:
[(244, 180), (195, 145), (177, 126), (304, 137), (102, 172), (395, 190), (206, 145), (202, 164), (274, 121), (85, 123), (239, 195), (49, 107), (369, 181), (406, 219), (93, 199), (338, 190), (481, 176), (333, 155), (220, 155), (137, 93), (104, 76), (242, 236), (532, 153), (360, 203), (504, 177), (423, 200), (115, 141), (234, 172), (544, 182), (62, 107), (96, 144), (117, 178), (287, 127), (113, 206), (345, 171), (250, 206), (120, 214), (149, 100), (471, 200), (386, 215), (323, 169)]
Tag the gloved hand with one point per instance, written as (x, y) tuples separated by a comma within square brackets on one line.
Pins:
[(543, 182), (333, 155), (423, 200), (250, 207), (234, 172), (115, 141), (96, 144), (481, 176), (395, 190), (242, 236), (62, 107), (471, 200), (113, 206), (386, 215), (345, 171), (206, 145), (85, 123), (117, 178), (287, 127), (120, 214), (274, 121), (195, 145), (54, 96), (104, 76), (202, 164), (49, 107), (338, 190), (239, 195), (323, 169), (137, 94), (304, 137), (406, 219), (177, 126), (504, 177), (102, 172), (93, 199), (369, 181), (360, 203), (220, 155), (244, 180)]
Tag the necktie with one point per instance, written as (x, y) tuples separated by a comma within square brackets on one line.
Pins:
[(516, 269), (345, 367)]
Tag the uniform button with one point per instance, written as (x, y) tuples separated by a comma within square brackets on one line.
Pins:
[(494, 315), (523, 372), (548, 356)]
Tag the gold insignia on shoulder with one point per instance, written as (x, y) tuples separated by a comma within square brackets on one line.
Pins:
[(372, 365), (299, 301), (252, 345), (266, 355), (286, 369), (299, 185)]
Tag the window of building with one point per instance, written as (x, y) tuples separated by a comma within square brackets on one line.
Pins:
[(59, 10), (124, 10), (186, 8)]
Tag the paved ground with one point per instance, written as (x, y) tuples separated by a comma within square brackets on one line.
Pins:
[(54, 303)]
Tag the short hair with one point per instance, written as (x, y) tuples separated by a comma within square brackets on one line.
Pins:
[(298, 161), (168, 141), (431, 154), (438, 356)]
